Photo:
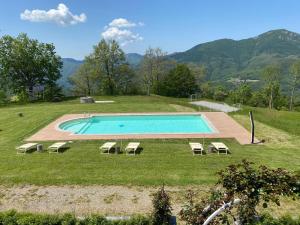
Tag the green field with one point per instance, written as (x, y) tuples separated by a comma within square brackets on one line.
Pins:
[(161, 161)]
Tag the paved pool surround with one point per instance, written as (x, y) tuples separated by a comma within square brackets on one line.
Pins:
[(224, 127)]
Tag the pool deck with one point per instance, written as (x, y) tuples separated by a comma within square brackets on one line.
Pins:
[(225, 126)]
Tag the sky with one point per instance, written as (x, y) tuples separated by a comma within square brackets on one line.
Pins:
[(74, 26)]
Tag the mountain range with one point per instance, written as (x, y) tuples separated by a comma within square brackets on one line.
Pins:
[(226, 59)]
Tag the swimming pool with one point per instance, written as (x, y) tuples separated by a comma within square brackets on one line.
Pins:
[(138, 124)]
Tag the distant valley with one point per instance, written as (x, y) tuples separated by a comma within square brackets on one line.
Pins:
[(226, 59)]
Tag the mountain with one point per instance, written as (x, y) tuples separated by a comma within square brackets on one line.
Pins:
[(227, 58), (134, 59), (69, 67)]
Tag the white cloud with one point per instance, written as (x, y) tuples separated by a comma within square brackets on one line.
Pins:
[(62, 16), (123, 36), (121, 22), (119, 30)]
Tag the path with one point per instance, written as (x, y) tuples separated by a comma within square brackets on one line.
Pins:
[(216, 106)]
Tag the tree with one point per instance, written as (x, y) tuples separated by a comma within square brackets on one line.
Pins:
[(179, 82), (199, 72), (26, 63), (244, 186), (86, 79), (127, 81), (153, 67), (161, 208), (242, 94), (220, 93), (109, 57), (271, 75), (295, 82)]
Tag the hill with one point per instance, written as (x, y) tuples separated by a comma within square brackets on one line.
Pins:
[(134, 59), (227, 58), (69, 67)]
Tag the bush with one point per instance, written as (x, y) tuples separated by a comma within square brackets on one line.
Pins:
[(53, 93), (3, 98), (285, 220), (14, 218), (161, 208)]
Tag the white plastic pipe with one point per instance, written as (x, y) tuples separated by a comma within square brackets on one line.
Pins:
[(220, 210)]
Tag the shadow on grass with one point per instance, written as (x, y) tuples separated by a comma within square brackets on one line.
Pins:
[(61, 150)]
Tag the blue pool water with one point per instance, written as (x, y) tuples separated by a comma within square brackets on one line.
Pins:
[(138, 124)]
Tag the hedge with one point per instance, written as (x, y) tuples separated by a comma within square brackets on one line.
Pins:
[(14, 218)]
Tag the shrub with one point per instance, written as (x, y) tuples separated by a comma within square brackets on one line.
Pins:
[(161, 208), (247, 184), (14, 218), (3, 98), (285, 220)]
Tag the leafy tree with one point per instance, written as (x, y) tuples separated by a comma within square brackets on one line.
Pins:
[(161, 208), (127, 80), (242, 94), (295, 82), (220, 93), (53, 93), (258, 99), (207, 90), (244, 184), (86, 79), (153, 67), (179, 82), (271, 76), (26, 63), (109, 57), (278, 100), (199, 72)]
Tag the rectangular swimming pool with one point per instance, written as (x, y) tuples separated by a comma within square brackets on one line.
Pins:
[(138, 124)]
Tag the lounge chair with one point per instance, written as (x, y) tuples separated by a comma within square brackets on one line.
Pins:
[(106, 147), (219, 146), (196, 148), (56, 146), (132, 147), (24, 148)]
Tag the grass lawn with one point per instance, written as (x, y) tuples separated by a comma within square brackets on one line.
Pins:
[(161, 161)]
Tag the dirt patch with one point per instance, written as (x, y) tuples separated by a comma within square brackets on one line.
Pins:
[(104, 200), (84, 200)]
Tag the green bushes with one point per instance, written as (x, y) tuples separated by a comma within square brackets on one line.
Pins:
[(285, 220), (14, 218)]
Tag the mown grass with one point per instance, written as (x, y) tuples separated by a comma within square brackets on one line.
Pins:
[(161, 161)]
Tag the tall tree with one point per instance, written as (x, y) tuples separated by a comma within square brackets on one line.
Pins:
[(126, 82), (179, 82), (109, 57), (86, 79), (271, 75), (153, 67), (26, 63), (295, 81)]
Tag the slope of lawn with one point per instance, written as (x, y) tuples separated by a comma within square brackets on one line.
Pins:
[(161, 161)]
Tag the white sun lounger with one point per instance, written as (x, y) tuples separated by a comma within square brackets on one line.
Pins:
[(196, 148), (24, 148), (132, 147), (106, 147), (219, 146), (56, 146)]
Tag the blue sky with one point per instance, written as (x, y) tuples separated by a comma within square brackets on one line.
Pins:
[(173, 25)]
